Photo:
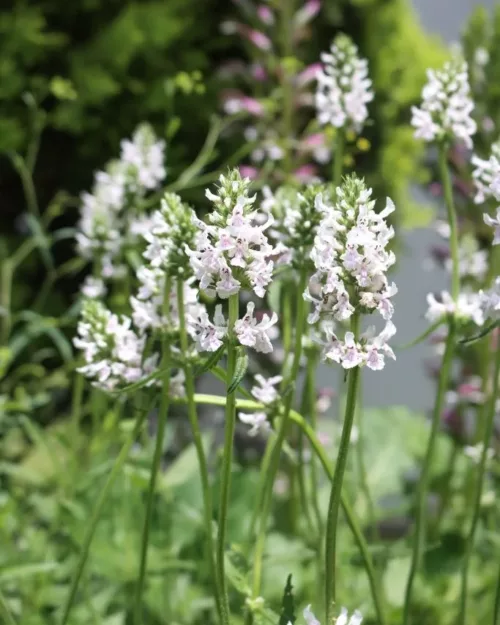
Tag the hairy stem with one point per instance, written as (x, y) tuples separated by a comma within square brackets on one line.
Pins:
[(227, 460), (338, 478), (155, 465), (198, 442)]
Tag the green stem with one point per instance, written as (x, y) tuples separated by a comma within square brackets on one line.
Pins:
[(76, 409), (363, 474), (452, 220), (311, 386), (496, 609), (248, 404), (422, 503), (264, 472), (227, 460), (338, 159), (5, 611), (338, 478), (488, 434), (280, 438), (155, 466), (5, 301), (198, 442), (301, 468), (96, 514)]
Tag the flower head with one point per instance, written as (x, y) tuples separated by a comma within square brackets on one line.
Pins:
[(144, 157), (232, 251), (344, 88), (351, 262), (445, 113), (171, 232), (112, 350), (466, 308)]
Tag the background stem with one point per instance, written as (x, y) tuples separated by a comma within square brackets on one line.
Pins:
[(488, 434), (280, 438), (421, 512)]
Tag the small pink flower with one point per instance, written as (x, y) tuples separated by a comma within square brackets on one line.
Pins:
[(265, 15), (259, 39), (247, 171), (258, 72), (306, 173), (309, 74), (436, 189), (307, 12)]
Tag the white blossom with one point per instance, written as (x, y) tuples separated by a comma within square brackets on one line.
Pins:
[(486, 175), (445, 113), (344, 88), (266, 392), (235, 249), (253, 333), (495, 224), (490, 301), (258, 422), (93, 288), (144, 155), (351, 262), (209, 335), (467, 307), (474, 452), (356, 617)]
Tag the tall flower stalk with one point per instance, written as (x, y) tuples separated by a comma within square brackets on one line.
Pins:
[(351, 261), (165, 366), (444, 116), (231, 252), (198, 442)]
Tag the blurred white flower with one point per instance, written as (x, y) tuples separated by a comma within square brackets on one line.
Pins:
[(445, 113)]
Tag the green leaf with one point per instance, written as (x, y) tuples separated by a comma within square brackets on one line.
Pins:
[(288, 608), (211, 361), (240, 369), (484, 332)]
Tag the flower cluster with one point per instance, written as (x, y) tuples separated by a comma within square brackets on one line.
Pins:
[(445, 113), (344, 88), (343, 618), (112, 350), (149, 311), (143, 156), (109, 217), (486, 175), (232, 252), (267, 394), (296, 219), (172, 231), (467, 307), (351, 262), (249, 330)]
